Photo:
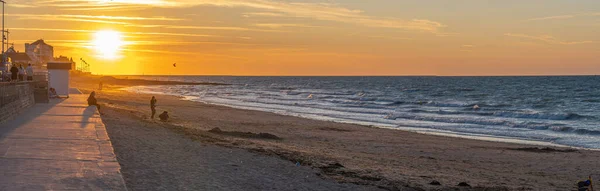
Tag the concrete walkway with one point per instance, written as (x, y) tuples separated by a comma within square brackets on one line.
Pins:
[(58, 146)]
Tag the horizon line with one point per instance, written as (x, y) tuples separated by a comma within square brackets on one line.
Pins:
[(186, 75)]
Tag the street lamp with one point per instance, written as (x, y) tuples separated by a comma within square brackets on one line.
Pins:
[(3, 37)]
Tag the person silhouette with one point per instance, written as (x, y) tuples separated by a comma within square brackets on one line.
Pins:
[(153, 106), (29, 73), (92, 100), (164, 116), (14, 73)]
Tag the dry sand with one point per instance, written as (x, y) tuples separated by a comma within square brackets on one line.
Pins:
[(338, 153), (153, 157)]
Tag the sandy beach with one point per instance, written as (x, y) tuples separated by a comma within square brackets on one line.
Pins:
[(209, 147)]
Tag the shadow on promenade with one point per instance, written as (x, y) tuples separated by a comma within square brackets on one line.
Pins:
[(26, 116)]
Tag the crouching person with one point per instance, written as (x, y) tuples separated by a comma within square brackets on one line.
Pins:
[(164, 116)]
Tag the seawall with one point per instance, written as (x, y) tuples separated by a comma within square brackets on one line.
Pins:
[(15, 98)]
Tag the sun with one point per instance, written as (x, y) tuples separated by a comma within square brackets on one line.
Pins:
[(108, 44)]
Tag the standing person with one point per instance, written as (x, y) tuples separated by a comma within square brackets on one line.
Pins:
[(29, 73), (100, 85), (153, 106), (21, 73), (14, 73)]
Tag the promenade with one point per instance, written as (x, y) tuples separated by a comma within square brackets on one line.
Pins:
[(62, 145)]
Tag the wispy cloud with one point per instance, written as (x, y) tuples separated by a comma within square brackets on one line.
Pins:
[(172, 34), (552, 18), (467, 48), (390, 37), (20, 5), (141, 43), (52, 30), (104, 17), (548, 39), (264, 14), (333, 12), (125, 33), (282, 25), (120, 20), (73, 19), (196, 54), (204, 28), (557, 17), (318, 11), (153, 43)]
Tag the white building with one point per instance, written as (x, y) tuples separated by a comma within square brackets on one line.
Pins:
[(40, 53)]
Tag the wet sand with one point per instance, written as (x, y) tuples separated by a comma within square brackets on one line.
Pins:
[(365, 157)]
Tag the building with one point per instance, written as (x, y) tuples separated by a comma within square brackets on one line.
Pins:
[(40, 53), (17, 58), (62, 58)]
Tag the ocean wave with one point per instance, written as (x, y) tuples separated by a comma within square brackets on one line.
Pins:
[(389, 103), (507, 114), (465, 105), (567, 129), (447, 104), (475, 121), (453, 119), (441, 112), (464, 89), (587, 132), (591, 100), (539, 115), (432, 103)]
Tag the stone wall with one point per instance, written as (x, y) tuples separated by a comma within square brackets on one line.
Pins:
[(15, 98)]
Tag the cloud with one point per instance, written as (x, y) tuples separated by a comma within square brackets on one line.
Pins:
[(73, 19), (125, 33), (195, 54), (264, 14), (153, 43), (101, 17), (20, 5), (282, 25), (201, 27), (89, 18), (333, 12), (552, 18), (467, 48), (557, 17), (390, 38), (548, 39), (219, 28), (171, 34), (52, 30), (317, 11)]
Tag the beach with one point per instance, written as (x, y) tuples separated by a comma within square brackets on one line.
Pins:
[(214, 147)]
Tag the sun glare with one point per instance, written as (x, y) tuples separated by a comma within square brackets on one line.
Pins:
[(108, 44)]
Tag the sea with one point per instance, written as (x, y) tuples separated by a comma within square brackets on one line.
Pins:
[(553, 110)]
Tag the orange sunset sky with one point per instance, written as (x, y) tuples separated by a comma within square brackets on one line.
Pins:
[(317, 37)]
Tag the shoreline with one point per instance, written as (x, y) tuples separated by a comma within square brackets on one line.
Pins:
[(426, 131), (358, 154)]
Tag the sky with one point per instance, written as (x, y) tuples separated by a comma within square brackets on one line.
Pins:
[(316, 37)]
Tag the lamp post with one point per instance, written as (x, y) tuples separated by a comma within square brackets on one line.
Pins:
[(7, 38), (3, 37)]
